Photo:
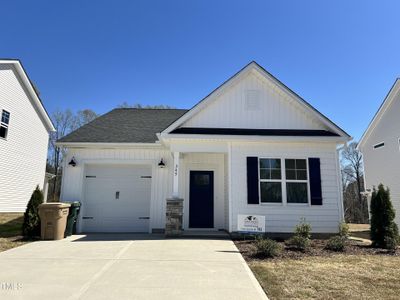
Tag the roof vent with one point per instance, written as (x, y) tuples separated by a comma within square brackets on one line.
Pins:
[(252, 100)]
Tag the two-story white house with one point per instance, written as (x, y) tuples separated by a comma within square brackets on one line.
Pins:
[(24, 136), (380, 146)]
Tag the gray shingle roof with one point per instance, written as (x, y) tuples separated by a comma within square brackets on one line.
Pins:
[(125, 125)]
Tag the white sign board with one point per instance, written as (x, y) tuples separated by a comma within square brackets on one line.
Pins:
[(251, 223)]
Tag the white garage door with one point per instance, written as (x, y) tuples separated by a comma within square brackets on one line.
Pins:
[(117, 198)]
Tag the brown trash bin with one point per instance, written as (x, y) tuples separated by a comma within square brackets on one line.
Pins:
[(53, 219)]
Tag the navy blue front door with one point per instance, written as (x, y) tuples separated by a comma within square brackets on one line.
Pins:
[(201, 199)]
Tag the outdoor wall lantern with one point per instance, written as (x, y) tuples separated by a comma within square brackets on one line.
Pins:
[(72, 162), (161, 164)]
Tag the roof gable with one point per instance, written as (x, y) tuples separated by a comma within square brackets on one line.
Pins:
[(391, 97), (298, 113), (37, 103)]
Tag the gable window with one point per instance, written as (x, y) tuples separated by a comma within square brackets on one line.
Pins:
[(5, 120), (380, 145), (296, 180), (270, 180)]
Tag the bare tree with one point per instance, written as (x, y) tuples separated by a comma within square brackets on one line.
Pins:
[(353, 166), (355, 206), (83, 117), (64, 122), (140, 106)]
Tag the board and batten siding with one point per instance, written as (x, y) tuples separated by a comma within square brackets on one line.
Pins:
[(282, 218), (269, 108), (72, 189), (24, 152), (382, 165)]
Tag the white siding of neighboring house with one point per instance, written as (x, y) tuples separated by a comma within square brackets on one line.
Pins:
[(382, 165), (72, 189), (275, 109), (23, 153), (283, 218)]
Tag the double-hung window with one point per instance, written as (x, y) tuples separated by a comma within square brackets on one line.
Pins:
[(283, 180), (270, 180), (296, 180), (5, 120)]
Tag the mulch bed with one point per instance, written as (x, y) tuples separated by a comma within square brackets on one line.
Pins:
[(317, 248)]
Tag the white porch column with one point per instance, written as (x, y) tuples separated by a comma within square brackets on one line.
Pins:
[(175, 187)]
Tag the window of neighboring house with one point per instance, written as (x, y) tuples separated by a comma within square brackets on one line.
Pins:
[(380, 145), (296, 180), (5, 120), (270, 180)]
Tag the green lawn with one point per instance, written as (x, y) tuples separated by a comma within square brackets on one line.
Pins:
[(11, 230)]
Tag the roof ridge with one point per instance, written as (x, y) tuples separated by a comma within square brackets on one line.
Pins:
[(144, 108)]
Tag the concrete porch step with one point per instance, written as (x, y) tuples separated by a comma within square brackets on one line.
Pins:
[(205, 234)]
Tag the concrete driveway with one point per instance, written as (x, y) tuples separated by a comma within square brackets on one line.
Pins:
[(127, 267)]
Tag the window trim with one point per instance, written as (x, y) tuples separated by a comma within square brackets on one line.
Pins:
[(3, 124), (283, 181), (379, 145)]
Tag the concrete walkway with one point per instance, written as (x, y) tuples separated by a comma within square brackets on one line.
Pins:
[(127, 267)]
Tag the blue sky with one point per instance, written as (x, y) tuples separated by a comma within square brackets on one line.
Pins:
[(341, 56)]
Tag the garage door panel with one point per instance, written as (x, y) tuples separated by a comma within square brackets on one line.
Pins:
[(117, 199)]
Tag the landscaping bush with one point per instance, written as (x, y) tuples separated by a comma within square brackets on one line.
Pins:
[(31, 225), (301, 238), (267, 247), (303, 229), (384, 231), (298, 242), (336, 243), (344, 230)]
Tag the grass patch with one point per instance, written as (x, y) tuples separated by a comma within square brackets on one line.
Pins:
[(11, 230), (334, 277)]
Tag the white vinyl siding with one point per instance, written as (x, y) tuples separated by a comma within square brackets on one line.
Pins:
[(382, 165), (284, 217), (254, 103), (24, 151)]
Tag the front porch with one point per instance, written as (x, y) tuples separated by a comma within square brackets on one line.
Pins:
[(200, 180)]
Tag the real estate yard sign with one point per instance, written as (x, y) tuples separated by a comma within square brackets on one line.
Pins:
[(251, 223)]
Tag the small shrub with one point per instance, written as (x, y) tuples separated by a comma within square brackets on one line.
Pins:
[(303, 229), (267, 247), (384, 231), (336, 243), (344, 230), (298, 242), (31, 225)]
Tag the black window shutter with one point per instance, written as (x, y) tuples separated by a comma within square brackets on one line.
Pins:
[(252, 180), (314, 166)]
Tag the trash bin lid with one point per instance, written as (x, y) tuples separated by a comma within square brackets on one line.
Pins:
[(54, 205), (75, 204)]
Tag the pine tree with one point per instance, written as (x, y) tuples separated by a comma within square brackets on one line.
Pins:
[(31, 225), (384, 231)]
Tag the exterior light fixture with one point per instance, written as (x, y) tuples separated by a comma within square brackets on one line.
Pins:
[(72, 162), (161, 164)]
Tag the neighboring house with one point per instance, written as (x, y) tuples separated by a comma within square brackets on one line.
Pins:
[(250, 147), (24, 136), (380, 146)]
